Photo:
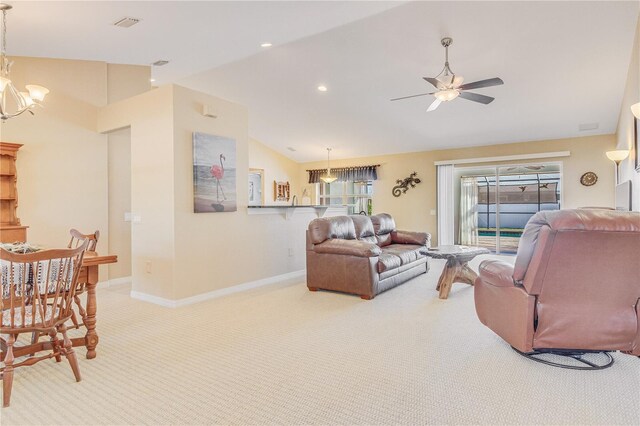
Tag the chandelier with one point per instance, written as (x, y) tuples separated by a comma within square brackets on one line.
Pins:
[(328, 178), (10, 97)]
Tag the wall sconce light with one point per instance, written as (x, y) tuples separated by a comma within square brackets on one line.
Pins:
[(617, 156)]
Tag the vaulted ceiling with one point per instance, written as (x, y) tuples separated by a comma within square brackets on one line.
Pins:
[(564, 64)]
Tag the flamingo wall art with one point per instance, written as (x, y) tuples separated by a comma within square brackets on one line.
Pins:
[(214, 174)]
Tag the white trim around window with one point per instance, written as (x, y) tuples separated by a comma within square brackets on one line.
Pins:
[(505, 158)]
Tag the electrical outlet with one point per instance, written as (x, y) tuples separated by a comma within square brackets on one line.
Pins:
[(290, 252), (433, 212), (147, 267)]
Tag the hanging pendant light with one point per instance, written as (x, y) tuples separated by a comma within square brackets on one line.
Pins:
[(23, 101), (328, 178)]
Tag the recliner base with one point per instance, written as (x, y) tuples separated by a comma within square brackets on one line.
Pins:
[(567, 353)]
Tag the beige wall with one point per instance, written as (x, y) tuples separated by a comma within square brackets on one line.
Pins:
[(625, 132), (62, 168), (123, 81), (119, 173), (63, 165), (150, 117), (276, 167), (193, 253), (412, 210)]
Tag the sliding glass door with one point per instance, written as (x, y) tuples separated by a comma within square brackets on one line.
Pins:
[(495, 203), (524, 191)]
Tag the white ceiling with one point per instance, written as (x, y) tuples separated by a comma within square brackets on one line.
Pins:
[(193, 35), (563, 63)]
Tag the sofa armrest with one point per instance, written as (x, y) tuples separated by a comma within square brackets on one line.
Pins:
[(496, 273), (348, 247), (408, 237)]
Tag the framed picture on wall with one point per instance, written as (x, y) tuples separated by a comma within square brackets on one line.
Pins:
[(214, 174), (636, 141)]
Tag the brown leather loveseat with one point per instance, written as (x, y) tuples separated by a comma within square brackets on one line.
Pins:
[(363, 255), (575, 285)]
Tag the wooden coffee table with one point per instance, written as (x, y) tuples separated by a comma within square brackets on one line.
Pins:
[(457, 268)]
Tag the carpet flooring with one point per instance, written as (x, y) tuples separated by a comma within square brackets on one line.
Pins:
[(284, 355)]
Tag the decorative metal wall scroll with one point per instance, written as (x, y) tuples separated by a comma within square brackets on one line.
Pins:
[(404, 184)]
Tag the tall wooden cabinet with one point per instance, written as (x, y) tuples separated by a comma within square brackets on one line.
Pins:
[(10, 228)]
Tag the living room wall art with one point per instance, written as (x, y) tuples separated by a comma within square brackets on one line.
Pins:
[(281, 191), (214, 174), (403, 185)]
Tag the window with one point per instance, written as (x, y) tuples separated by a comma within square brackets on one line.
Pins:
[(357, 196)]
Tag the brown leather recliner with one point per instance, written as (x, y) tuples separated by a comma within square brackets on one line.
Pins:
[(575, 285), (362, 255)]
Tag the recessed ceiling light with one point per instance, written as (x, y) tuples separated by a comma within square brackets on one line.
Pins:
[(292, 149), (322, 88), (160, 63), (266, 45)]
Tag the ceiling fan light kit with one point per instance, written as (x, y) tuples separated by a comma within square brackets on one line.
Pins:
[(450, 85), (447, 95)]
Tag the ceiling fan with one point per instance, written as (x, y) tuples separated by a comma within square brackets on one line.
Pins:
[(450, 85)]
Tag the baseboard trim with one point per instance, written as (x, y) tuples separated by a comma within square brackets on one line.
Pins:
[(115, 282), (169, 303)]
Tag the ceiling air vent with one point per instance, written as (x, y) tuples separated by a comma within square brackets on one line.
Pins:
[(160, 63), (588, 126), (126, 22)]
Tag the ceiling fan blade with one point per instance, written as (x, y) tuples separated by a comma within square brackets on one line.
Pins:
[(475, 97), (482, 83), (412, 96), (434, 105), (437, 83)]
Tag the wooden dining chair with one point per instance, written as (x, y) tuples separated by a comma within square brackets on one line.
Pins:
[(37, 294), (77, 238)]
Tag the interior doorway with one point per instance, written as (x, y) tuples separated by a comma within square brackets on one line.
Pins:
[(119, 193), (492, 204)]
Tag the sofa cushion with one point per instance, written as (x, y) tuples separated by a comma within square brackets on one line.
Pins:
[(407, 253), (347, 247), (383, 223), (383, 240), (406, 237), (322, 229), (363, 227), (388, 261)]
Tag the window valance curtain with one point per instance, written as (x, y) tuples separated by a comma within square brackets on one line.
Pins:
[(353, 174)]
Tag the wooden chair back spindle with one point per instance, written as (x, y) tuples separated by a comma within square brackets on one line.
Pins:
[(78, 237)]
